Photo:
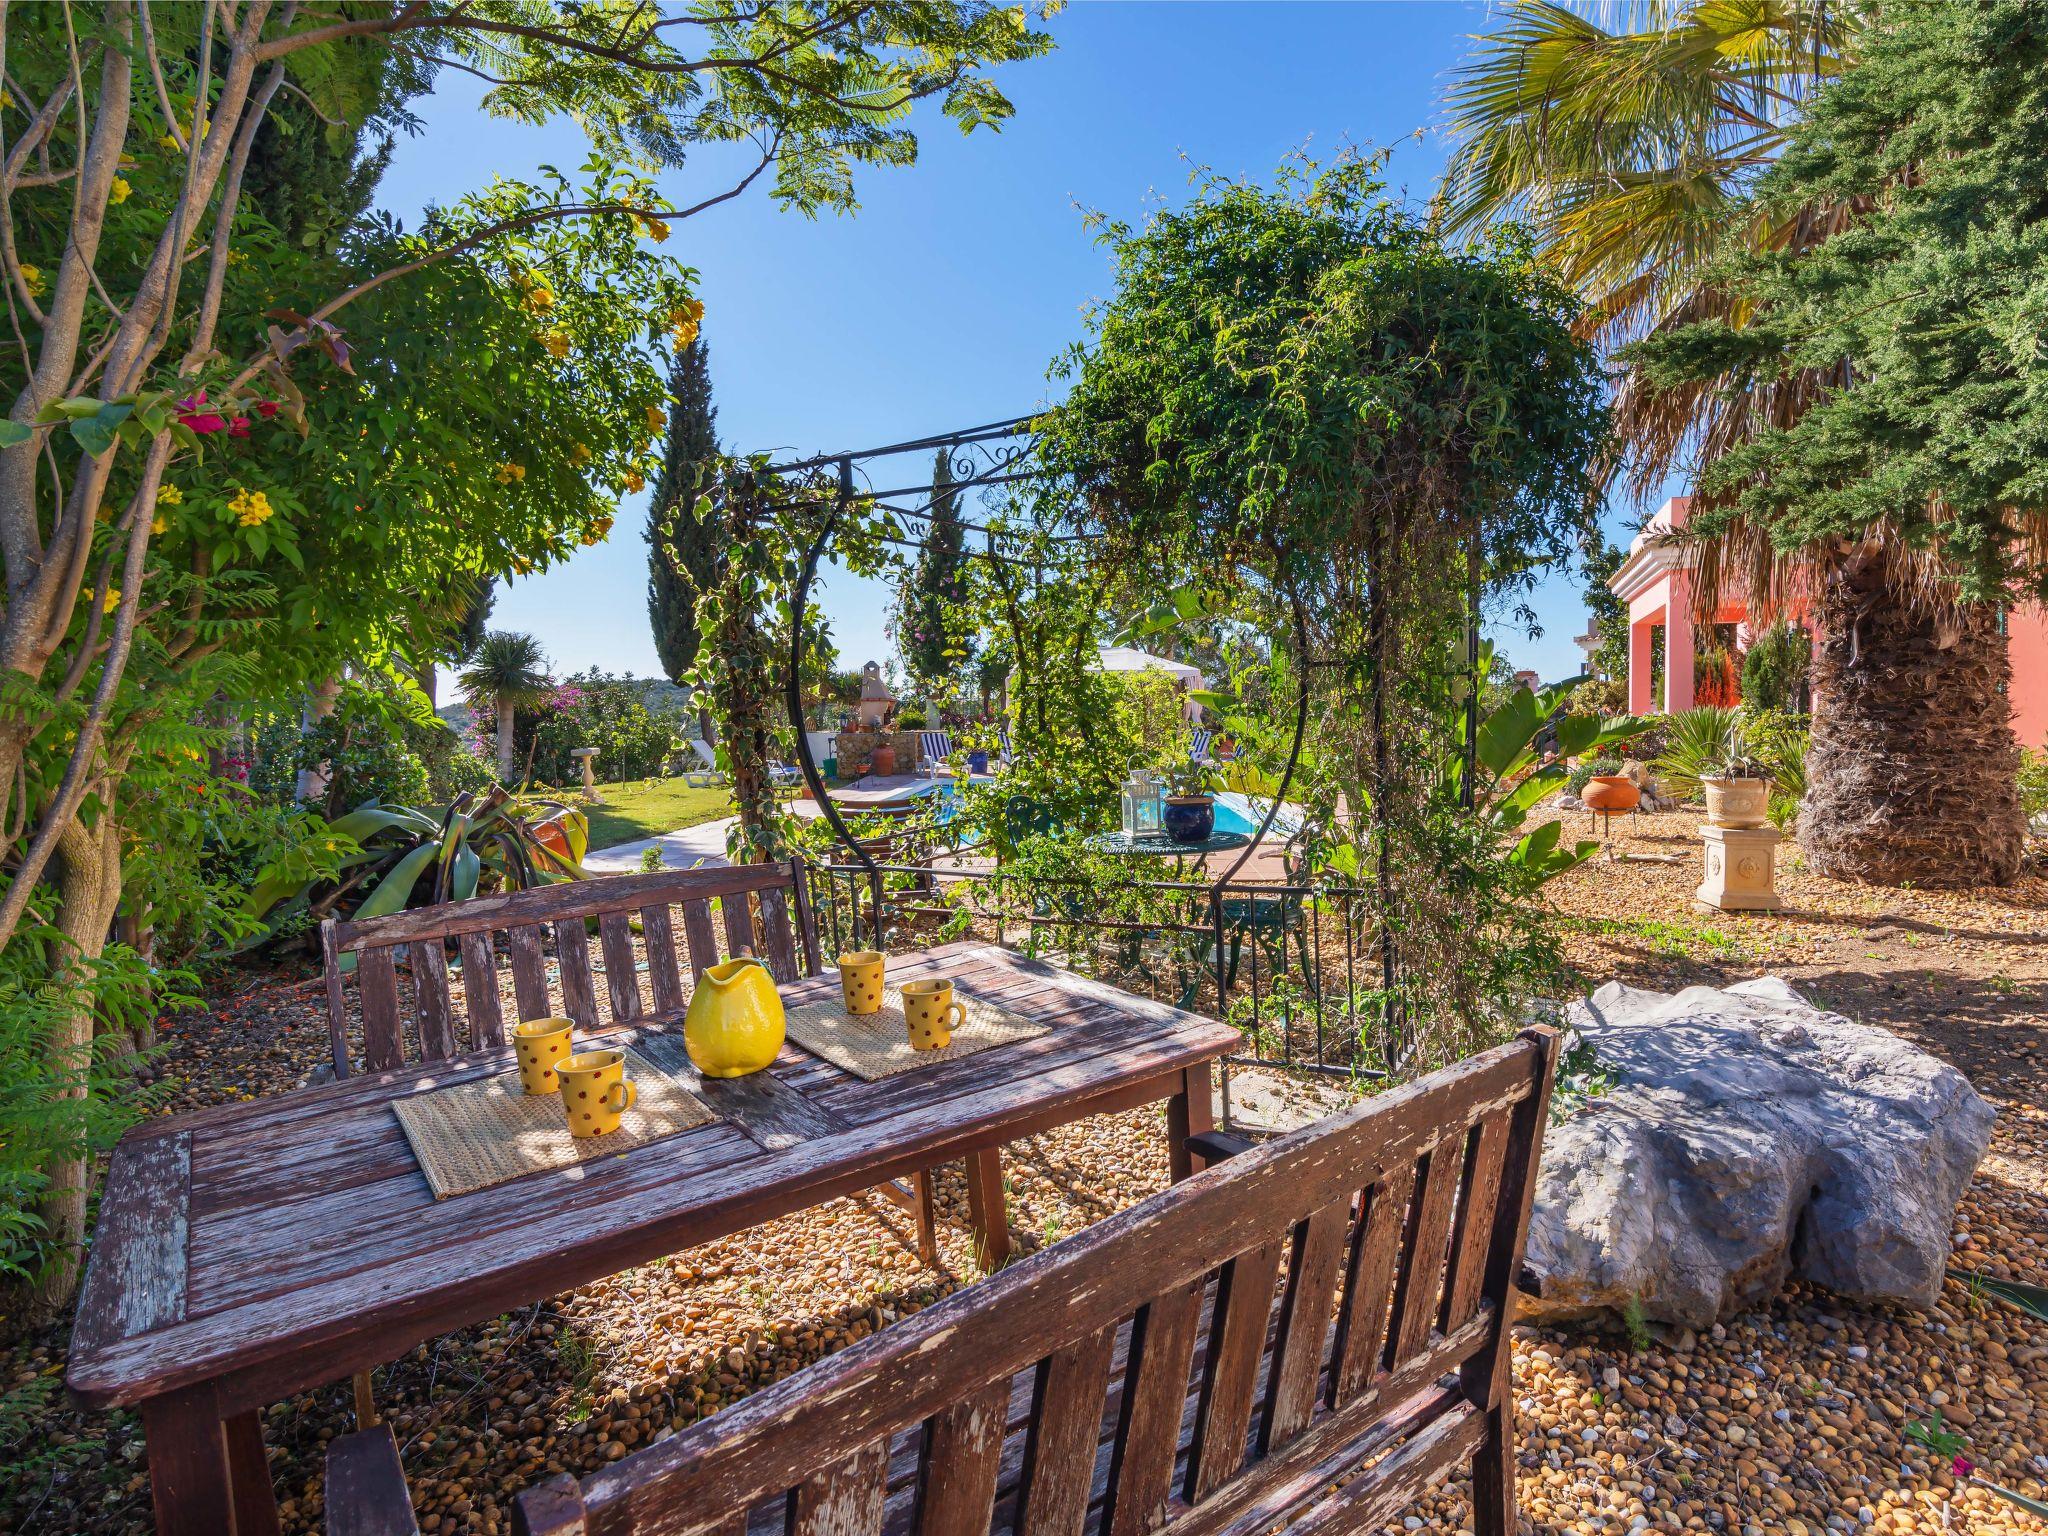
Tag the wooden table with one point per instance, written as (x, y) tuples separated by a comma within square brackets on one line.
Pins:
[(252, 1251)]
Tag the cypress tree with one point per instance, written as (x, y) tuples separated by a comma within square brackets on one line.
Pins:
[(925, 614), (681, 552)]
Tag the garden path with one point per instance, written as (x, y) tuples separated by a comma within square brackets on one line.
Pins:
[(698, 847)]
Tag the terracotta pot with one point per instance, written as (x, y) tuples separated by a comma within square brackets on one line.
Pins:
[(1610, 792), (1737, 802), (883, 759)]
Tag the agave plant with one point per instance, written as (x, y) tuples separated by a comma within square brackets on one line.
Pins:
[(1699, 744), (479, 845)]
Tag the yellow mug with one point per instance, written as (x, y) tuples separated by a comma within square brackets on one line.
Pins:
[(860, 977), (543, 1045), (931, 1013), (595, 1092)]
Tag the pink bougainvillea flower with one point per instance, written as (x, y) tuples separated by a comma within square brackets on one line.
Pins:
[(266, 409), (204, 423), (239, 427), (1962, 1466), (192, 402)]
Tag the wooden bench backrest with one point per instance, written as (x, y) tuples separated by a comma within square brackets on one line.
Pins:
[(1201, 1363), (763, 909)]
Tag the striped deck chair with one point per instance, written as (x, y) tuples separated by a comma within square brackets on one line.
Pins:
[(1198, 745), (933, 748), (1003, 744)]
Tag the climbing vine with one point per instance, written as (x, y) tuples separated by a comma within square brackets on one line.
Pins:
[(1300, 391)]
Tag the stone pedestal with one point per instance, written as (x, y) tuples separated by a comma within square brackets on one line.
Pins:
[(1739, 869), (586, 756)]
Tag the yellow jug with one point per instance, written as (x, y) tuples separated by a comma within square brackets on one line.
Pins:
[(735, 1022)]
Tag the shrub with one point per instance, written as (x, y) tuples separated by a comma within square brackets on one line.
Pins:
[(1774, 668), (595, 709), (367, 749), (1582, 773), (2034, 784), (1598, 696)]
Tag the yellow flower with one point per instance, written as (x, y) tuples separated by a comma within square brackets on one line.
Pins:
[(118, 192), (684, 332), (579, 453), (32, 279), (689, 312), (654, 229), (507, 473), (598, 531), (657, 418), (251, 508), (523, 567), (523, 279), (540, 298), (159, 525), (169, 496), (635, 481), (556, 341), (110, 600)]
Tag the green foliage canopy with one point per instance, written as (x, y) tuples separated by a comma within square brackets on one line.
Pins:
[(1926, 314)]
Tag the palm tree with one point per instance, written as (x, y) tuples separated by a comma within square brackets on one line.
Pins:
[(1629, 153), (506, 671)]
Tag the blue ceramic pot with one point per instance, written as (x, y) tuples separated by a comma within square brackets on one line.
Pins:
[(1190, 818), (977, 762)]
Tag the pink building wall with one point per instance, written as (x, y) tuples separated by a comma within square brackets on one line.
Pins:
[(1656, 585)]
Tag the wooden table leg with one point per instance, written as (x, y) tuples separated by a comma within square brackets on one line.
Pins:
[(207, 1476), (249, 1466), (988, 1213), (927, 1217), (1188, 1113)]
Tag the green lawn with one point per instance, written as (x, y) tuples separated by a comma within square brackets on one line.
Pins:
[(650, 807)]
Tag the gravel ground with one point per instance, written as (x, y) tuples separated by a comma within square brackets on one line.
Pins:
[(1791, 1419)]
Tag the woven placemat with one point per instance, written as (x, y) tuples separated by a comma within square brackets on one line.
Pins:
[(481, 1133), (877, 1045)]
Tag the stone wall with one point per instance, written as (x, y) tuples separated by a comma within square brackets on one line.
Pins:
[(856, 748)]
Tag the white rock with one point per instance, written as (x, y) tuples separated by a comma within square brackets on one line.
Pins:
[(1749, 1137)]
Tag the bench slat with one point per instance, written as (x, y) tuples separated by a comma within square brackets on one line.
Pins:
[(663, 978), (1155, 1392), (1363, 1320), (377, 982), (697, 930), (1244, 1306), (621, 970), (775, 933), (529, 973), (846, 1500), (572, 960), (430, 996), (739, 925), (1061, 1442), (1477, 1203), (1305, 1312), (480, 992), (963, 1450), (1417, 1290)]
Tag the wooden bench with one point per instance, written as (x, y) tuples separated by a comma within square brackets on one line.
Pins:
[(1311, 1333), (407, 994)]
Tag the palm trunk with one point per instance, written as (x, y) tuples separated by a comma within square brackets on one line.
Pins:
[(313, 781), (1912, 769), (507, 761)]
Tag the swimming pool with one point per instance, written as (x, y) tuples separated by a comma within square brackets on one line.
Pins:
[(1241, 813)]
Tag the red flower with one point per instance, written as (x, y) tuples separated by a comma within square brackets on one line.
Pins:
[(1962, 1466), (239, 427), (204, 423), (266, 409)]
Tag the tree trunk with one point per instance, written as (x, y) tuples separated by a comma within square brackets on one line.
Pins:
[(88, 879), (312, 783), (1912, 769), (507, 761)]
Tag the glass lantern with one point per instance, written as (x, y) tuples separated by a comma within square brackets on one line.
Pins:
[(1144, 805)]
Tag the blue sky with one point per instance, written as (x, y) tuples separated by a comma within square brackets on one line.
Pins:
[(941, 303)]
